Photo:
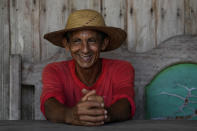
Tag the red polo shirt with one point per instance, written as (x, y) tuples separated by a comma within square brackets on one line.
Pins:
[(116, 81)]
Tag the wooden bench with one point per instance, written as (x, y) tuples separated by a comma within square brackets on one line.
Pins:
[(147, 65)]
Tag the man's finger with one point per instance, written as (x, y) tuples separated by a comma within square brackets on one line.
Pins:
[(92, 111), (96, 98), (92, 92), (85, 91), (89, 105)]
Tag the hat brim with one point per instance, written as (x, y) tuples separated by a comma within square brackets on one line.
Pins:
[(116, 35)]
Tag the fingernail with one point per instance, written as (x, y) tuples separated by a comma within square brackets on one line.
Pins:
[(105, 112), (105, 116), (102, 104), (102, 122)]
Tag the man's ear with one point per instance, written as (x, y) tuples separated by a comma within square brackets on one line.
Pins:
[(105, 43), (65, 43)]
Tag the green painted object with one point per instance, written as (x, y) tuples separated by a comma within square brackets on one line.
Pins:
[(172, 94)]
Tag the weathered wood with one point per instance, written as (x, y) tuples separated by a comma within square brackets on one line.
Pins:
[(4, 59), (15, 88), (141, 26), (85, 4), (170, 19), (191, 17), (53, 17), (113, 12), (132, 125), (24, 24)]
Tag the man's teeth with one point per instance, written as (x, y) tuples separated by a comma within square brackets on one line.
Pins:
[(86, 58)]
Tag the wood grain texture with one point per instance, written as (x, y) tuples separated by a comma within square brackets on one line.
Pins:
[(85, 4), (53, 15), (141, 26), (131, 125), (25, 35), (15, 88), (113, 12), (190, 17), (170, 19), (4, 59)]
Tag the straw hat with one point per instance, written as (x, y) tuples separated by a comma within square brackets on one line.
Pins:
[(88, 19)]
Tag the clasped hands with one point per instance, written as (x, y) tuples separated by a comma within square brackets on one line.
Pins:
[(89, 111)]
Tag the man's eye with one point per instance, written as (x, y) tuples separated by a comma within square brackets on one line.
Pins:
[(92, 41), (77, 41)]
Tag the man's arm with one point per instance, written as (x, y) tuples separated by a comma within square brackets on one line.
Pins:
[(119, 111), (89, 113)]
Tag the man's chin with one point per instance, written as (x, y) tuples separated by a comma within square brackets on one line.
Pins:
[(85, 65)]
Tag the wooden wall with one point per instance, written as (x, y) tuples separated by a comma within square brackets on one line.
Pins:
[(24, 22), (148, 22), (4, 59)]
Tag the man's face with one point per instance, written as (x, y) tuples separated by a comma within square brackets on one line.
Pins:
[(85, 47)]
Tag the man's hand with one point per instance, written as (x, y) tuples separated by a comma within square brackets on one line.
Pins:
[(89, 111)]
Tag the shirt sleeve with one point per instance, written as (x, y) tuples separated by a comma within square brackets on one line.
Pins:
[(123, 85), (52, 86)]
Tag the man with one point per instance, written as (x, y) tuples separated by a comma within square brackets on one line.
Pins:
[(87, 90)]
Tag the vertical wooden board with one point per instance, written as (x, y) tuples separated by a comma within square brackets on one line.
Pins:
[(191, 17), (15, 88), (25, 36), (114, 12), (53, 15), (170, 19), (4, 59), (141, 25), (85, 4)]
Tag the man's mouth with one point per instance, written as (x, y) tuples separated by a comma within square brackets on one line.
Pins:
[(86, 58)]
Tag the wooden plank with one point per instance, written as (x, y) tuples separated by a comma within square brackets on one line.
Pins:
[(141, 28), (4, 59), (170, 19), (85, 4), (53, 16), (25, 35), (130, 125), (114, 13), (191, 17), (15, 87)]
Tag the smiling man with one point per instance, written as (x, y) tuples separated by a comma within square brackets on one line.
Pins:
[(88, 90)]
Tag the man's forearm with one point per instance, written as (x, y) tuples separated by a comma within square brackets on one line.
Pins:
[(119, 111), (54, 110)]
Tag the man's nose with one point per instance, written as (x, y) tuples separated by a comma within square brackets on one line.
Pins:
[(85, 47)]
